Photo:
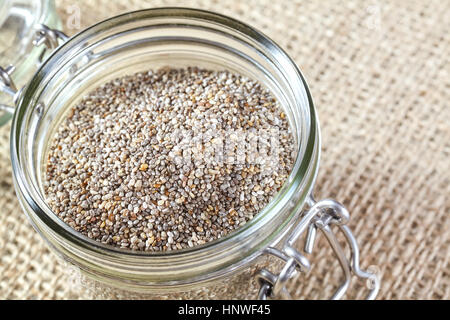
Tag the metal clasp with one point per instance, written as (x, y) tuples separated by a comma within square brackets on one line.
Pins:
[(49, 37), (44, 35), (7, 86), (320, 216)]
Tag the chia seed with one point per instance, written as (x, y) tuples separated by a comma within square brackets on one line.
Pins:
[(168, 159)]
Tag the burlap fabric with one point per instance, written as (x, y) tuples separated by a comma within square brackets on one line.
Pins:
[(379, 74)]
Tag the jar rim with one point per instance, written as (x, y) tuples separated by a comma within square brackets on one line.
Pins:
[(306, 163)]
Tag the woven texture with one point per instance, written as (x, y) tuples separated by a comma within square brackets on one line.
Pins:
[(379, 74)]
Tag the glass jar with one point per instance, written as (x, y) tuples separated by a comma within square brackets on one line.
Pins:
[(236, 266)]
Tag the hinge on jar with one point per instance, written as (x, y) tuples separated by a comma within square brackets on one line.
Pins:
[(49, 37), (320, 216), (44, 35), (8, 86)]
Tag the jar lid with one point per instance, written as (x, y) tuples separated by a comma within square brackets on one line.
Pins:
[(18, 21)]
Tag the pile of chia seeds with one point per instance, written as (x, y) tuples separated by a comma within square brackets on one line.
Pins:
[(168, 159)]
